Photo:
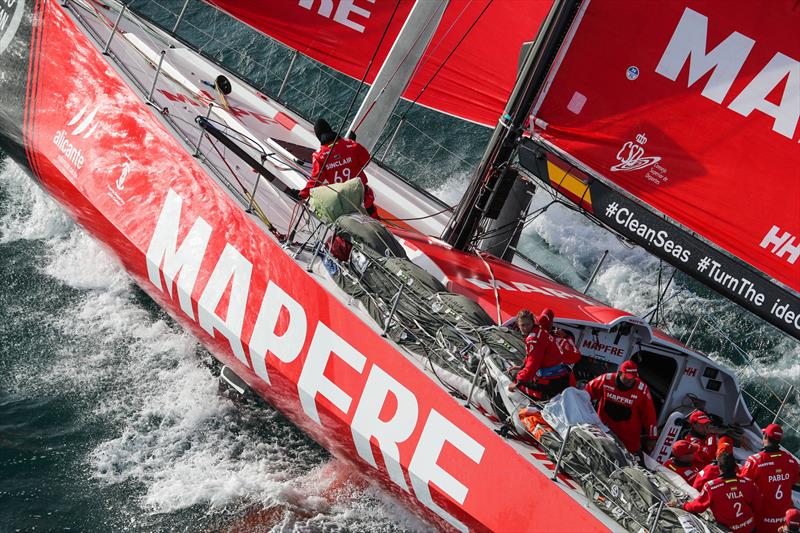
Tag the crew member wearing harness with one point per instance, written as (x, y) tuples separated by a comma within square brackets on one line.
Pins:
[(734, 501), (625, 406), (774, 472), (544, 373), (338, 160)]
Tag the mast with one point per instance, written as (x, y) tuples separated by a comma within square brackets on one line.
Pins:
[(493, 177), (396, 71)]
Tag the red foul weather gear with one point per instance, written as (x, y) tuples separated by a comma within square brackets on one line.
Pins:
[(706, 448), (709, 472), (688, 473), (774, 473), (628, 412), (569, 350), (544, 374), (734, 502), (343, 159)]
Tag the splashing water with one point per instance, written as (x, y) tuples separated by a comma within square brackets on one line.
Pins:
[(110, 418)]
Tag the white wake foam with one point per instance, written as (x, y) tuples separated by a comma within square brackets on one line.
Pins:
[(28, 213), (176, 443)]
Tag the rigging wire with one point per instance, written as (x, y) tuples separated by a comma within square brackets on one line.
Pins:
[(438, 69), (400, 65), (369, 67), (355, 95)]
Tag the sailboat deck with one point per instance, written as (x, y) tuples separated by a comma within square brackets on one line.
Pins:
[(179, 85), (183, 90)]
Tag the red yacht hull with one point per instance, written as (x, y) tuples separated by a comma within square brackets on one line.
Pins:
[(100, 151)]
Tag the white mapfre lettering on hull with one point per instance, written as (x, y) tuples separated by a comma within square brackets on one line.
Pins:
[(179, 264), (424, 467), (521, 286), (313, 381), (286, 346), (367, 422), (234, 271)]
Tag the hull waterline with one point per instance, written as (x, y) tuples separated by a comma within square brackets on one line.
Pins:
[(97, 148)]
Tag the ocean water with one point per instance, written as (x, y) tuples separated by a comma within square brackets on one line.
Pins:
[(110, 414)]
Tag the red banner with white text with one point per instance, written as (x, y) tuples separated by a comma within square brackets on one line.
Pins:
[(474, 83), (692, 107)]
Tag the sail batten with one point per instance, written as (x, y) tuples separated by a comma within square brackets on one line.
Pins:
[(473, 83), (691, 108)]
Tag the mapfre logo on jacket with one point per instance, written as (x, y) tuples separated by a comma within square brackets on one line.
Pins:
[(628, 397)]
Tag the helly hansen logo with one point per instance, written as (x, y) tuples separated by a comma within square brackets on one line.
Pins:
[(782, 244)]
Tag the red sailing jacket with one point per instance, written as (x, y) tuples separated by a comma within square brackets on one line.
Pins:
[(569, 351), (688, 473), (628, 413), (709, 472), (774, 473), (706, 448), (733, 502), (542, 352), (347, 160)]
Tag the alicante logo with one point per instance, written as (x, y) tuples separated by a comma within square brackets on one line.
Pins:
[(631, 156), (10, 17), (83, 126)]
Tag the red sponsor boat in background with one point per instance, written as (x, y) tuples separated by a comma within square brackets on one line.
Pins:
[(185, 181)]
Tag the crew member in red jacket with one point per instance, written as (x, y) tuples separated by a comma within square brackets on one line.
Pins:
[(682, 460), (544, 374), (565, 341), (336, 161), (625, 406), (700, 435), (775, 472), (792, 523), (711, 470), (734, 502)]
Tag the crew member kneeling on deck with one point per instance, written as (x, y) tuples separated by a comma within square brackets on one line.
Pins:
[(544, 374), (682, 460), (625, 406), (336, 161), (774, 472), (734, 502)]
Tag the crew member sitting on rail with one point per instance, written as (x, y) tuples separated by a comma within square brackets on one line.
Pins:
[(792, 524), (734, 501), (544, 374), (336, 161), (700, 435), (711, 470), (682, 460), (624, 404), (565, 341), (774, 472)]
